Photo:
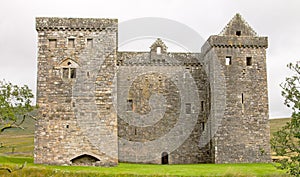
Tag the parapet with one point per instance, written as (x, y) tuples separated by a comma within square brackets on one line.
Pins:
[(237, 41), (92, 24)]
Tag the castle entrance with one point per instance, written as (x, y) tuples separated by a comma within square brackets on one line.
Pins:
[(164, 158)]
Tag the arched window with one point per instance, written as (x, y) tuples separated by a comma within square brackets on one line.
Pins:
[(68, 69)]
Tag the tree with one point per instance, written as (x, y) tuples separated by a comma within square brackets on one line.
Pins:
[(15, 105), (286, 141)]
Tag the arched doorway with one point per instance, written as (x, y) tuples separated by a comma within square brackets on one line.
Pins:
[(164, 158), (84, 160)]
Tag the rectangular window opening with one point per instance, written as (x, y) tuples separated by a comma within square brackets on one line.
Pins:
[(89, 43), (202, 106), (238, 33), (158, 50), (71, 43), (72, 73), (65, 73), (129, 105), (249, 61), (188, 108), (228, 60), (52, 43)]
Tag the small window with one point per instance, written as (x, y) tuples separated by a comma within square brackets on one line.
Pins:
[(129, 105), (65, 73), (228, 60), (188, 108), (242, 98), (69, 73), (249, 61), (52, 43), (238, 33), (89, 43), (71, 43), (202, 125), (68, 69), (202, 106), (72, 73), (158, 50)]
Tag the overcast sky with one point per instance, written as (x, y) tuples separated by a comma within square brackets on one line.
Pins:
[(277, 19)]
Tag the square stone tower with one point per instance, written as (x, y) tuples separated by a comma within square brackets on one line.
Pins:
[(77, 124), (236, 60)]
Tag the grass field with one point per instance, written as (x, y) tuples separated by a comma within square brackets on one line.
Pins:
[(124, 169), (18, 148)]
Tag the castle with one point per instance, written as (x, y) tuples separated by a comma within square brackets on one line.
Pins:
[(100, 106)]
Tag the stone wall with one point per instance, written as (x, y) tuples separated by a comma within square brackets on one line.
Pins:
[(159, 106)]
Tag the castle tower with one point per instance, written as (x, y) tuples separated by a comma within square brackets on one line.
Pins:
[(76, 66), (236, 60)]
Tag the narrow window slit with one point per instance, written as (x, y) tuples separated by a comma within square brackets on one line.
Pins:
[(242, 98)]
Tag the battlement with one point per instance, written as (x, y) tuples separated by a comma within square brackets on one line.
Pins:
[(93, 24), (238, 41)]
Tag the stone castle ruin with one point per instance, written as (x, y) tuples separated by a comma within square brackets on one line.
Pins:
[(101, 106)]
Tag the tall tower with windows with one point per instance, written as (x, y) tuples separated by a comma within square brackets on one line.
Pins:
[(76, 67), (236, 60)]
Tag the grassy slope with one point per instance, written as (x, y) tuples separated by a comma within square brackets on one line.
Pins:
[(276, 124), (18, 141), (22, 141)]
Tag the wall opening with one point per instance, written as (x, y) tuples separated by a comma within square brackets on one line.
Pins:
[(242, 98), (129, 105), (85, 160), (164, 158), (158, 50), (249, 61), (238, 33), (52, 43), (228, 60), (202, 106), (71, 43), (89, 43), (188, 108), (202, 126), (68, 69)]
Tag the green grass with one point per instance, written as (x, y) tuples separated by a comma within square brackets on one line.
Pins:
[(22, 142), (125, 169)]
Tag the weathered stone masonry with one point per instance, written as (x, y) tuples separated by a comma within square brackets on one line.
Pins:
[(99, 106)]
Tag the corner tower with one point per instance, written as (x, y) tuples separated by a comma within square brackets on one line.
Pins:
[(76, 67), (236, 60)]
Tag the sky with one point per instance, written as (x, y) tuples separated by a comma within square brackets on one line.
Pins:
[(279, 20)]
